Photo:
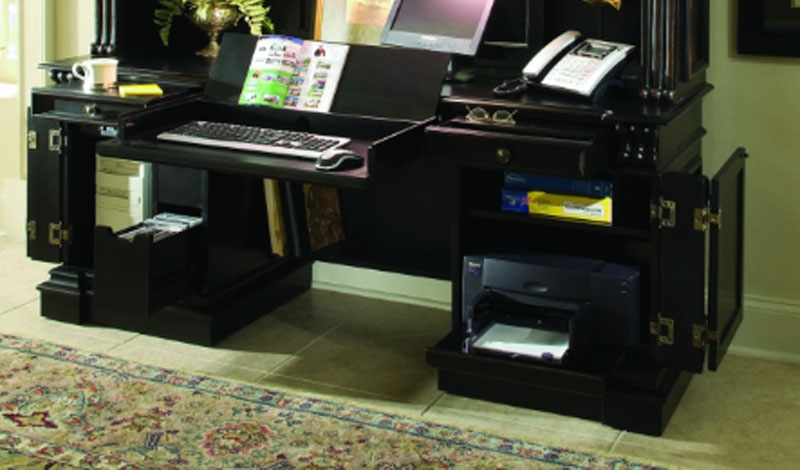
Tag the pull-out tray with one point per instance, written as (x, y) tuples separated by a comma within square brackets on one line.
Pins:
[(385, 143)]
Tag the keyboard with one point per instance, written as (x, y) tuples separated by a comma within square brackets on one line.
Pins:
[(252, 138)]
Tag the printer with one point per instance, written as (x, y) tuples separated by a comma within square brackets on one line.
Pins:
[(547, 307)]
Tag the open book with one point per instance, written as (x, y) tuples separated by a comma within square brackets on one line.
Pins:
[(288, 72)]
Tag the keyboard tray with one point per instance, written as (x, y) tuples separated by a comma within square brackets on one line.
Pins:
[(385, 143)]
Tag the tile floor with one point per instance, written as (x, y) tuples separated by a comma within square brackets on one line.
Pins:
[(371, 352)]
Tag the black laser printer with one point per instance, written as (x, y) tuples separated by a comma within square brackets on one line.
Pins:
[(547, 307)]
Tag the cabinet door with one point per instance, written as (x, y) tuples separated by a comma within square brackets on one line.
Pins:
[(726, 251), (44, 189), (681, 316)]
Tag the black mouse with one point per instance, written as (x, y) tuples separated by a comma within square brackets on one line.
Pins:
[(338, 159)]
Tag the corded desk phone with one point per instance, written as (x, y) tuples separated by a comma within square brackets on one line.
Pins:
[(575, 65)]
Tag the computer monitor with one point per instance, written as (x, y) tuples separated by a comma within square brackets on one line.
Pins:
[(454, 26)]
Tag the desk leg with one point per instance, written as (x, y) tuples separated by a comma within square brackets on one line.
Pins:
[(66, 295)]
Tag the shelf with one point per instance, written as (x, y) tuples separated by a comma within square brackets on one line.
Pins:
[(552, 222)]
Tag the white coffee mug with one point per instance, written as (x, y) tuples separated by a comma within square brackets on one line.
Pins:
[(97, 74)]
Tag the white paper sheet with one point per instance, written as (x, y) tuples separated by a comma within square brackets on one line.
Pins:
[(524, 341)]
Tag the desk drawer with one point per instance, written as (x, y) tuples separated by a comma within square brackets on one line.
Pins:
[(135, 278), (576, 157), (67, 102), (82, 109)]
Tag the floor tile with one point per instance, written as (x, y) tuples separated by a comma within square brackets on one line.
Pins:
[(20, 275), (193, 359), (743, 416), (27, 322), (368, 359), (283, 331), (522, 423), (411, 406), (248, 354), (369, 311), (327, 303)]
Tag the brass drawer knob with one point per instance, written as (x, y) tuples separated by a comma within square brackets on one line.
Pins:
[(503, 155), (90, 109)]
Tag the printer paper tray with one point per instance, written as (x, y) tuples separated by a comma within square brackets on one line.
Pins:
[(514, 341)]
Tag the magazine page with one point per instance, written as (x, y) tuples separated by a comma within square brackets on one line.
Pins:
[(319, 68), (292, 73), (271, 70)]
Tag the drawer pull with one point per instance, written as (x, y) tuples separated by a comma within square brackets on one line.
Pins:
[(90, 109), (503, 155)]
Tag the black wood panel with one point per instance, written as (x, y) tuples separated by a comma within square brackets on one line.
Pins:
[(402, 224)]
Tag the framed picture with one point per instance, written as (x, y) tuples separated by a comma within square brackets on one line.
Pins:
[(353, 21), (769, 27)]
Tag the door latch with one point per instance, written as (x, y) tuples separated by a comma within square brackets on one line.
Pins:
[(54, 140), (664, 212), (57, 235), (664, 330)]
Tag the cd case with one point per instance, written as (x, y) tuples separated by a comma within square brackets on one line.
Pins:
[(161, 226)]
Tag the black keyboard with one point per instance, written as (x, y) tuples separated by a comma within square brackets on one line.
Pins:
[(253, 138)]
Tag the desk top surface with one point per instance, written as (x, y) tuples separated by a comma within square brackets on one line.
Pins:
[(618, 105)]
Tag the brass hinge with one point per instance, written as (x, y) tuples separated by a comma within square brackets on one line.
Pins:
[(31, 228), (664, 330), (701, 335), (32, 136), (664, 212), (56, 234), (703, 218)]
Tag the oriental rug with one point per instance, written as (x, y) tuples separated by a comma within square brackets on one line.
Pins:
[(65, 408)]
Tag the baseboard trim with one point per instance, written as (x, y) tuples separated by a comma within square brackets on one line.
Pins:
[(769, 331), (384, 285)]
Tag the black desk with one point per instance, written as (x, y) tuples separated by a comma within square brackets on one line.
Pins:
[(428, 196), (664, 224), (242, 278)]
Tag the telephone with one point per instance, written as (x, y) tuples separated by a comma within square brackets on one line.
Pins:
[(575, 65)]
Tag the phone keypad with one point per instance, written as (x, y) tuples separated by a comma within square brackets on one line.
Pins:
[(571, 72)]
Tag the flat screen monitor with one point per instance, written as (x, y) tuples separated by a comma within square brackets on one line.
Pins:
[(454, 26)]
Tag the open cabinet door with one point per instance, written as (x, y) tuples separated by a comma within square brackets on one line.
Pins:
[(43, 224), (726, 273), (682, 271)]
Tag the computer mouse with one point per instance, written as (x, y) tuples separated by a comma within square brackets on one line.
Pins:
[(338, 159)]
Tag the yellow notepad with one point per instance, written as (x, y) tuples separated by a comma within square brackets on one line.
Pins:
[(144, 89)]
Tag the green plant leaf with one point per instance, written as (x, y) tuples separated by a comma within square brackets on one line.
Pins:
[(253, 11)]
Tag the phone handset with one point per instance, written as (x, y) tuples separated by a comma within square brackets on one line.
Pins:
[(548, 53)]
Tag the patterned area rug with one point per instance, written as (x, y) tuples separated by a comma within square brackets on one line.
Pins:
[(65, 408)]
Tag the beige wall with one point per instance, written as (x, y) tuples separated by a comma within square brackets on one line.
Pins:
[(755, 104), (74, 23)]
